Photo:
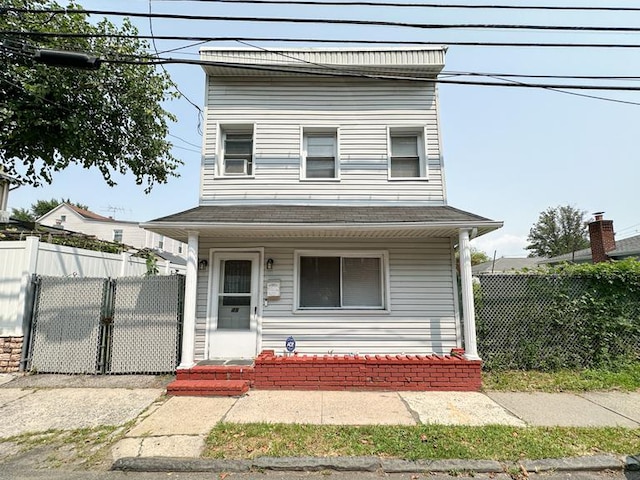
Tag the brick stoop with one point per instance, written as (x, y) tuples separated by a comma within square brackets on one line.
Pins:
[(208, 388), (332, 372)]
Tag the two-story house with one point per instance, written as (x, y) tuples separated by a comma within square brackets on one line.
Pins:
[(76, 219), (323, 213)]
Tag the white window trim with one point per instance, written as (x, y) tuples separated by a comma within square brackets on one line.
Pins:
[(421, 132), (311, 129), (386, 290), (221, 133)]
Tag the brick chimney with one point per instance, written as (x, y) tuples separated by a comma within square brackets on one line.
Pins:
[(602, 238)]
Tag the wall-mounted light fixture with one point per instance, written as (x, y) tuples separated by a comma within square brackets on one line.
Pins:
[(270, 264), (203, 264)]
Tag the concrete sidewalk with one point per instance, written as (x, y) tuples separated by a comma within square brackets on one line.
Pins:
[(178, 428), (175, 428)]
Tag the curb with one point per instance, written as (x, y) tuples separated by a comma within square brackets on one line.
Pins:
[(374, 464)]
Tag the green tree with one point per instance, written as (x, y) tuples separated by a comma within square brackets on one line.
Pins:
[(477, 257), (110, 118), (40, 208), (559, 230)]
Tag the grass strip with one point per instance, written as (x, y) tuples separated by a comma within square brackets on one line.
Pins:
[(626, 378), (494, 442)]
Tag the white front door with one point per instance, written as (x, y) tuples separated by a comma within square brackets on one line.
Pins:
[(233, 324)]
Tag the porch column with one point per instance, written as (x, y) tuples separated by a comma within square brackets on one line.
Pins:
[(468, 311), (189, 320)]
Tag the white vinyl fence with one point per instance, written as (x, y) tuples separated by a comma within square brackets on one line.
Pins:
[(19, 260)]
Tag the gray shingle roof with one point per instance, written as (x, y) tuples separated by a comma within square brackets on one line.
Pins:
[(624, 247), (340, 215), (505, 264)]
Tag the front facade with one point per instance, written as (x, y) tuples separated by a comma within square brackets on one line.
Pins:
[(323, 214)]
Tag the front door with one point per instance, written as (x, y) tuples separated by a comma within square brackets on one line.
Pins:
[(234, 305)]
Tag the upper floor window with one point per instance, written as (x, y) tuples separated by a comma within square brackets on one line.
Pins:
[(320, 153), (117, 236), (161, 242), (407, 157), (237, 151)]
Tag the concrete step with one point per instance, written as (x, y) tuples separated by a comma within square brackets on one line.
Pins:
[(208, 388), (216, 372)]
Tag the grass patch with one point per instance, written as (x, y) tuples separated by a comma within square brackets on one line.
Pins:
[(495, 442), (86, 447), (626, 377)]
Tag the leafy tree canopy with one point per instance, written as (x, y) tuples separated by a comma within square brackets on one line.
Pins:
[(50, 117), (559, 230), (41, 207)]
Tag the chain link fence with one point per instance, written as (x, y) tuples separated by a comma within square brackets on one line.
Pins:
[(97, 325), (548, 322)]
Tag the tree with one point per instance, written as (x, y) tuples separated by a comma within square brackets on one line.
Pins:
[(109, 118), (559, 230), (477, 257), (40, 208)]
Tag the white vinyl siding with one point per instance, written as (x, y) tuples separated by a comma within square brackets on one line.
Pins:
[(421, 318), (363, 112)]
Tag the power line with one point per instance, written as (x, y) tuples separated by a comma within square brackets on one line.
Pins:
[(419, 5), (205, 39), (341, 73), (153, 42), (425, 26), (183, 140)]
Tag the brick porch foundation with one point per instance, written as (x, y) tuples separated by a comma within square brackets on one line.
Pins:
[(10, 354), (333, 372)]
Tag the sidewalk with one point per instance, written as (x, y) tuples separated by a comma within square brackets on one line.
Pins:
[(170, 433)]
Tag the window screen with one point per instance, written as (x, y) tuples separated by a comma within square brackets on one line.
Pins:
[(405, 159), (321, 155)]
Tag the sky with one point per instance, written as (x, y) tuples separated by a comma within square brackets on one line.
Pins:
[(509, 153)]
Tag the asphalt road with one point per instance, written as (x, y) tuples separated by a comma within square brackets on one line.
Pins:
[(101, 475)]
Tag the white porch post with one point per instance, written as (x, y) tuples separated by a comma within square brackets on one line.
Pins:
[(468, 311), (189, 320)]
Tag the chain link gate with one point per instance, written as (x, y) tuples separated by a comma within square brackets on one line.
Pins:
[(98, 326)]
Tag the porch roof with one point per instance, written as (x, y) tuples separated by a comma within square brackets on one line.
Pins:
[(299, 221)]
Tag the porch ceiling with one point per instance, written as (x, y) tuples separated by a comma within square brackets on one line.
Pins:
[(289, 221)]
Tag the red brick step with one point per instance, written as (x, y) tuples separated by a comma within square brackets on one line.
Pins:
[(208, 388)]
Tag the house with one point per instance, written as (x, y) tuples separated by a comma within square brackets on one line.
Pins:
[(603, 245), (505, 265), (323, 222), (73, 218), (7, 183)]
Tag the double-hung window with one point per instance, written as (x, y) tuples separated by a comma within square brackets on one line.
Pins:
[(237, 151), (341, 281), (320, 153), (407, 158), (117, 235)]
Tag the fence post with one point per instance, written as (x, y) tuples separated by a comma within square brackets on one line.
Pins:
[(468, 311), (124, 264), (31, 246)]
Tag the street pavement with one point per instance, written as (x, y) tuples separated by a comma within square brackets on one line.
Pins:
[(167, 431)]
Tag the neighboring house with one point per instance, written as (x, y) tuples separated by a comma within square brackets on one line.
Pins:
[(505, 265), (603, 247), (71, 217), (6, 183), (323, 213)]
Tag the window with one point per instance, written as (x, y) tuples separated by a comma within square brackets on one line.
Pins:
[(63, 218), (237, 151), (341, 282), (406, 152), (117, 236), (161, 242), (320, 147), (180, 248)]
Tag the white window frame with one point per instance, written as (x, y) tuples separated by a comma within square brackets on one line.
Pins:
[(383, 255), (309, 130), (234, 129), (121, 232), (420, 132)]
